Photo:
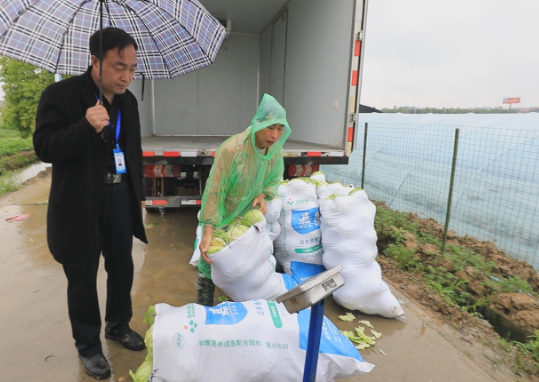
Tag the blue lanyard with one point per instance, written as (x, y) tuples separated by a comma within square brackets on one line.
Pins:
[(118, 123), (118, 126)]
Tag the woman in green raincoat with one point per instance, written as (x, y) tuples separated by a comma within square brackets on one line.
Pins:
[(247, 170)]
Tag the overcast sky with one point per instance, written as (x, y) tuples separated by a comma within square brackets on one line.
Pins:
[(451, 53)]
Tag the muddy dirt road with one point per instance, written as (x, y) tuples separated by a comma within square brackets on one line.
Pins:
[(36, 343)]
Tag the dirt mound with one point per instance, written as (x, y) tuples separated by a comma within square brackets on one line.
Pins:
[(411, 259), (521, 308)]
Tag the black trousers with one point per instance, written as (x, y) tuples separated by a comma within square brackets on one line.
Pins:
[(114, 239)]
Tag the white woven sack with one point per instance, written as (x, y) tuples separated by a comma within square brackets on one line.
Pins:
[(300, 238), (367, 292), (325, 190), (319, 176), (273, 230), (253, 341), (273, 213), (347, 226), (245, 269), (196, 250), (273, 210)]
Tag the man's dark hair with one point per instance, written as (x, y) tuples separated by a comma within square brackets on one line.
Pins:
[(112, 38)]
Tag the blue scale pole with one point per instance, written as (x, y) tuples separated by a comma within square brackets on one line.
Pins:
[(313, 342)]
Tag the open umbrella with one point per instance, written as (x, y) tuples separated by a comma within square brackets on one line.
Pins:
[(174, 36)]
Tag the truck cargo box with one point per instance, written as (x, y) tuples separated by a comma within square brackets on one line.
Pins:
[(305, 53)]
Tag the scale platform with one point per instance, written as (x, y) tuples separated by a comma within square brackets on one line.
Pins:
[(313, 290), (312, 293)]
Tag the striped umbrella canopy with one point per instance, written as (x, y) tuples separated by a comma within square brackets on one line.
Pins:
[(174, 37)]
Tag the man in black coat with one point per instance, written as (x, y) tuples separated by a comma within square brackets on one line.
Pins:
[(96, 196)]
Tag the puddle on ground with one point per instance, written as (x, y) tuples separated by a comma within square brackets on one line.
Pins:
[(29, 172)]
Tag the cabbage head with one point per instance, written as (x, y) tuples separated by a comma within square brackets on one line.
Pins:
[(145, 370), (216, 245), (236, 231), (334, 196), (211, 250), (319, 176), (221, 234), (302, 179), (251, 217), (235, 221), (319, 183)]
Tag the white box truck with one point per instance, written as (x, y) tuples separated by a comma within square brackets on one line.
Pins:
[(305, 53)]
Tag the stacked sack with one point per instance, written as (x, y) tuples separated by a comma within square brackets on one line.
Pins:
[(254, 341), (243, 265), (298, 247), (325, 189), (273, 214), (196, 250), (349, 239)]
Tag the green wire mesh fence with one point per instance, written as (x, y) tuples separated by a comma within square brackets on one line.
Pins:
[(495, 194)]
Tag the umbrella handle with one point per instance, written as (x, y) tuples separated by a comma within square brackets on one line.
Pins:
[(101, 52)]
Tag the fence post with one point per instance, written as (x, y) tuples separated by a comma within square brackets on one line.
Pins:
[(450, 197), (364, 153)]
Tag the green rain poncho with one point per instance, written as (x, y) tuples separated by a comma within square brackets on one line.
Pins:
[(240, 173)]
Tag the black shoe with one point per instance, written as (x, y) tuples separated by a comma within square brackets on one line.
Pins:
[(127, 338), (96, 366)]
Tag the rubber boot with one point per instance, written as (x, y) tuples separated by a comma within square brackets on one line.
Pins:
[(205, 290)]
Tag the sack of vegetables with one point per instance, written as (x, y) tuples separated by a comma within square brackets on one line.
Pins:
[(243, 265)]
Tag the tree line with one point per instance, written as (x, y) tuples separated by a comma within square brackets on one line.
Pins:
[(457, 110), (23, 84)]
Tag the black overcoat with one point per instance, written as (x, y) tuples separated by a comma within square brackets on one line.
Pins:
[(66, 139)]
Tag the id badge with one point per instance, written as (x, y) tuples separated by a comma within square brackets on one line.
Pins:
[(119, 161)]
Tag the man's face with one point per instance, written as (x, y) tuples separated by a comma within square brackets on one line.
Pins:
[(118, 70)]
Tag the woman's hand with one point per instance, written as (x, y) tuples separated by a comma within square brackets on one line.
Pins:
[(205, 243), (261, 201)]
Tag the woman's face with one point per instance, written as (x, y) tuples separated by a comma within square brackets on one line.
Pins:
[(268, 136)]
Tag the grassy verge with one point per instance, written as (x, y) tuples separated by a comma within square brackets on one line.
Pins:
[(11, 142), (17, 161), (7, 184), (460, 276), (15, 153), (442, 272)]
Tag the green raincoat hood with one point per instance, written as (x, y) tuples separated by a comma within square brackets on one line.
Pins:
[(240, 173), (269, 112)]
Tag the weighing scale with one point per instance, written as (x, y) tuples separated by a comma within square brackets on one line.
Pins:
[(312, 293)]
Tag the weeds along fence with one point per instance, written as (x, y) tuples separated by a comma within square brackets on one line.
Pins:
[(478, 181)]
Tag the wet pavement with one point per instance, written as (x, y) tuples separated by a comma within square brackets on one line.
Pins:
[(36, 343)]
